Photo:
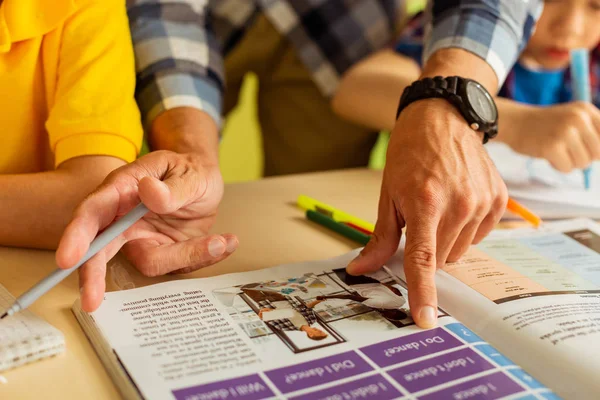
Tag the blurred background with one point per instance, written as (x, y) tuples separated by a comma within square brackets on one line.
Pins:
[(241, 148)]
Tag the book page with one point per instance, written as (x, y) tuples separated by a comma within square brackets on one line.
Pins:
[(24, 337), (304, 331), (535, 295)]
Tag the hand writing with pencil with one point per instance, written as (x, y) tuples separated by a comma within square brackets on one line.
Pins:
[(567, 135)]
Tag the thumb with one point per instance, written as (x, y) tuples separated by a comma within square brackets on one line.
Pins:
[(383, 243), (171, 194), (419, 267)]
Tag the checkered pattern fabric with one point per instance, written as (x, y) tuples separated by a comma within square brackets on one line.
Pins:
[(286, 324), (495, 30), (180, 44), (411, 45)]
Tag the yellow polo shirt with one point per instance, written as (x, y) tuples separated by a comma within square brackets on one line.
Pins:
[(67, 82)]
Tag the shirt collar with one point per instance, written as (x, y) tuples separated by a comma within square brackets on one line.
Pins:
[(25, 19)]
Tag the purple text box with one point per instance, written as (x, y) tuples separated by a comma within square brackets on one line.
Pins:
[(372, 387), (250, 387), (318, 372), (409, 347), (492, 386), (441, 369)]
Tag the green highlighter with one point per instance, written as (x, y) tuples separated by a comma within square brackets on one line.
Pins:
[(338, 227)]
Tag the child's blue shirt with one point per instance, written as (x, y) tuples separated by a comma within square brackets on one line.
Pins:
[(540, 88)]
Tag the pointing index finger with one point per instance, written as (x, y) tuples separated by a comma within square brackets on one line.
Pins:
[(420, 266)]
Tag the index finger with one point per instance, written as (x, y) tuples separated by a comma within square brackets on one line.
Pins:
[(420, 266)]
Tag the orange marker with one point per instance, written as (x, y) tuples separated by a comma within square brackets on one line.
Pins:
[(520, 210)]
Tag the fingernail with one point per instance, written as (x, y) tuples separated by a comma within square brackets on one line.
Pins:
[(232, 244), (216, 248), (427, 317), (351, 266)]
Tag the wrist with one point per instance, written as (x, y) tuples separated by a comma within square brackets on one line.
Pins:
[(435, 112), (515, 121), (472, 101), (186, 130), (459, 62)]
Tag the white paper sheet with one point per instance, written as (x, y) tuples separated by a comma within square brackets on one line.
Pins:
[(24, 337), (547, 192)]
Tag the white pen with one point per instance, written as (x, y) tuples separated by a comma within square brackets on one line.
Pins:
[(101, 241)]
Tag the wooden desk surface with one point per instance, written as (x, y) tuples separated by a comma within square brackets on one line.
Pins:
[(271, 230)]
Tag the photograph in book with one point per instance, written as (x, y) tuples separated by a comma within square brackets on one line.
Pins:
[(312, 311)]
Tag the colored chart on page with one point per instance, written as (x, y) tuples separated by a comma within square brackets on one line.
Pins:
[(446, 362), (509, 269)]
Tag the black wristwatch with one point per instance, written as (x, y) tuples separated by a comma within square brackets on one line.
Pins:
[(471, 99)]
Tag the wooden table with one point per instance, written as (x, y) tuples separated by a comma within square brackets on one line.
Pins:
[(271, 229)]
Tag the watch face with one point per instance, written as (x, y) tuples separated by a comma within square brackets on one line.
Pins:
[(481, 102)]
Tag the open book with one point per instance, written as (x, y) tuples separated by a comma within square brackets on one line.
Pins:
[(519, 319), (551, 194), (24, 337)]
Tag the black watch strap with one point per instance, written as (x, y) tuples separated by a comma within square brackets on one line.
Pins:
[(448, 88)]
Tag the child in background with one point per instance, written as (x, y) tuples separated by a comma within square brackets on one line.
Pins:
[(67, 110), (536, 116)]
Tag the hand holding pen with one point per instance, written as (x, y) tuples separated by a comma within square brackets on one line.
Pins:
[(182, 195)]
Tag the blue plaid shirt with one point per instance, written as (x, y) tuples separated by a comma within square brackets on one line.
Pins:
[(411, 45), (180, 44)]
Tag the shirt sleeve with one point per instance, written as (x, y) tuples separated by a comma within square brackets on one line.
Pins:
[(178, 59), (497, 31), (93, 110)]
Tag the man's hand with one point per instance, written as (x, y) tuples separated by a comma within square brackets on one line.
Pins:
[(182, 192), (440, 183), (567, 135)]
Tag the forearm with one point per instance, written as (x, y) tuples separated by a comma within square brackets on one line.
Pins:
[(186, 130), (369, 93), (459, 62), (35, 208), (510, 122)]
